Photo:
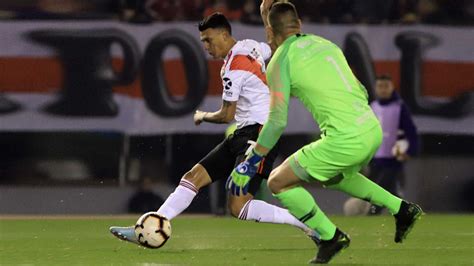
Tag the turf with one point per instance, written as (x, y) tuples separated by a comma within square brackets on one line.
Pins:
[(435, 240)]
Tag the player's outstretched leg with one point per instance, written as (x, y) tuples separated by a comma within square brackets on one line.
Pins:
[(329, 248), (405, 219), (247, 208), (176, 202), (124, 233)]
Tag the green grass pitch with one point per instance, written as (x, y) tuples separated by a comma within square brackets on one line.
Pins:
[(435, 240)]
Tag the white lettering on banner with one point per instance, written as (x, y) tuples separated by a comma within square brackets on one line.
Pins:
[(135, 118)]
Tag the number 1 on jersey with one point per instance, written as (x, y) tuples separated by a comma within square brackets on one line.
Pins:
[(331, 60)]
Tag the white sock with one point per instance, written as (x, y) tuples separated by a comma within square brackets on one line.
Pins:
[(260, 211), (179, 200)]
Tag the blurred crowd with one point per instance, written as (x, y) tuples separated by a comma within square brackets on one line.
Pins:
[(448, 12)]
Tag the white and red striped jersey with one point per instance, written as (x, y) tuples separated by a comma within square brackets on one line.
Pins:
[(244, 81)]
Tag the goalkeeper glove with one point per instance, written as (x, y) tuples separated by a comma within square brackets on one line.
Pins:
[(239, 179)]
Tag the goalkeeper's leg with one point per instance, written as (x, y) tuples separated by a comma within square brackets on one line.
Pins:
[(359, 186), (285, 185), (405, 213)]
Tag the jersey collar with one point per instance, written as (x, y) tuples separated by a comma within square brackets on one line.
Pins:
[(229, 54), (292, 38)]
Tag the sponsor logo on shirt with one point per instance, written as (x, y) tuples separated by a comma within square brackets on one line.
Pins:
[(227, 83), (254, 54), (227, 86)]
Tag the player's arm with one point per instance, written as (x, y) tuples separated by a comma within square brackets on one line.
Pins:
[(266, 51), (264, 10), (232, 85), (223, 116), (279, 84)]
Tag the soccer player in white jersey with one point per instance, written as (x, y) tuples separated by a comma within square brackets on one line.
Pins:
[(246, 98)]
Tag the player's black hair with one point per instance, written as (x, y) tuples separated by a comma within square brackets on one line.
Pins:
[(384, 77), (215, 21), (283, 16)]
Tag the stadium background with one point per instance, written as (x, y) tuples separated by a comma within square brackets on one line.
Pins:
[(92, 162)]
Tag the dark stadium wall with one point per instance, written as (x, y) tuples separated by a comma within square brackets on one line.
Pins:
[(440, 184)]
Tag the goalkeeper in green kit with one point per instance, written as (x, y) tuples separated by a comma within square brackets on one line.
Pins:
[(315, 71)]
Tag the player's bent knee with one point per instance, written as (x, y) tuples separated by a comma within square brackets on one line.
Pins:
[(198, 176), (191, 176), (274, 183), (282, 178)]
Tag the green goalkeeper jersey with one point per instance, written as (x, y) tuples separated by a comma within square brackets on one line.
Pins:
[(315, 71)]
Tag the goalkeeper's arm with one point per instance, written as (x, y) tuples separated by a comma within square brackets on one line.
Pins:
[(276, 124), (279, 84), (264, 10)]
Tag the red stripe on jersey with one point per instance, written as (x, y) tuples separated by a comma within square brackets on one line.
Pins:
[(247, 63)]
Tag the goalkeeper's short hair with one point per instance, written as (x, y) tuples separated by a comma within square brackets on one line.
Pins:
[(283, 17)]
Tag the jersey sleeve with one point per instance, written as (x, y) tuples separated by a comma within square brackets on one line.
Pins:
[(266, 50), (233, 80), (280, 85)]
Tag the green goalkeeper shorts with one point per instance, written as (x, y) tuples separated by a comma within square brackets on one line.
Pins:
[(334, 155)]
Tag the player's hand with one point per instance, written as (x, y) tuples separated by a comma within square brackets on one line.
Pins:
[(199, 117), (264, 10), (265, 5), (402, 157), (399, 150), (239, 180)]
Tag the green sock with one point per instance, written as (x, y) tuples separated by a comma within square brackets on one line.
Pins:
[(301, 204), (361, 187)]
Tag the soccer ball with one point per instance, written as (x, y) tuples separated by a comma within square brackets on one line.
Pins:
[(354, 206), (152, 230)]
